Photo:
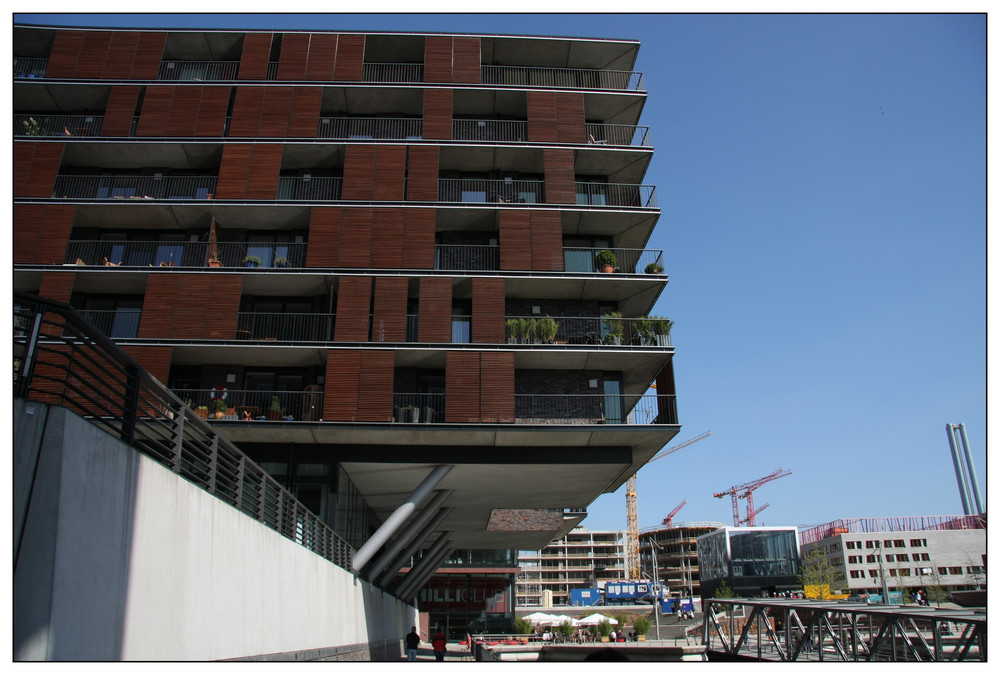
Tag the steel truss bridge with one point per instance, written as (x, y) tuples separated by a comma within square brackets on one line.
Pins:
[(780, 629)]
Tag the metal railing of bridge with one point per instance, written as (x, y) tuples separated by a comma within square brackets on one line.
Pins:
[(60, 358)]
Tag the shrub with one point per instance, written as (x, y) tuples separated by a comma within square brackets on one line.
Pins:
[(641, 625)]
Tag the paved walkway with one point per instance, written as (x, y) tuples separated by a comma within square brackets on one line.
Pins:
[(455, 652)]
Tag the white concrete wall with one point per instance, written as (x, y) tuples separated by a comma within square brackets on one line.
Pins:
[(145, 566)]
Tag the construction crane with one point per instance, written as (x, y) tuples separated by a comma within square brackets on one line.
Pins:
[(745, 491), (669, 520), (752, 516), (632, 510)]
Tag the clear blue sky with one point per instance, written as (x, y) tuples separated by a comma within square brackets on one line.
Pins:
[(822, 180)]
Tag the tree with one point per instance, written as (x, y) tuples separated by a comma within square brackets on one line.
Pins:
[(522, 626), (567, 629), (820, 574), (936, 593), (724, 591), (641, 625)]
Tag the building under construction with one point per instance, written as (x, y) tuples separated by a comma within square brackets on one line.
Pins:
[(676, 555), (582, 559)]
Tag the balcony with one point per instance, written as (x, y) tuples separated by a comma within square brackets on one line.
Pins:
[(625, 260), (370, 128), (619, 135), (253, 405), (290, 327), (30, 68), (276, 254), (467, 257), (616, 194), (417, 408), (590, 330), (563, 78), (486, 191), (199, 71), (134, 187), (392, 72), (309, 188), (492, 131), (58, 125), (115, 323)]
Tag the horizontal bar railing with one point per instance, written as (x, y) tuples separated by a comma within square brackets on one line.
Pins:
[(311, 188), (616, 194), (292, 327), (62, 359), (198, 70), (417, 408), (482, 191), (576, 78), (30, 68), (589, 330), (134, 187), (274, 254), (619, 135), (625, 260), (369, 128), (502, 131), (254, 405), (595, 409), (58, 125), (392, 72), (467, 257)]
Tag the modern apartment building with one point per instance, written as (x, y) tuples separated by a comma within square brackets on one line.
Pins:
[(905, 553), (581, 559), (406, 270)]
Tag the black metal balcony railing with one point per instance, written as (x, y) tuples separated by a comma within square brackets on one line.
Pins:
[(57, 125), (392, 72), (616, 194), (575, 78), (134, 187), (309, 188), (62, 359), (254, 405), (291, 327), (368, 128), (418, 408), (619, 135), (115, 323), (592, 330), (30, 68), (483, 191), (625, 260), (271, 254), (199, 70), (500, 131), (595, 409), (467, 257)]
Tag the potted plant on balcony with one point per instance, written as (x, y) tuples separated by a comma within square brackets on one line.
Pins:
[(614, 327), (281, 262), (606, 261), (220, 407), (202, 412), (527, 330), (548, 328), (252, 261), (654, 268), (661, 329), (274, 413), (643, 326), (513, 330)]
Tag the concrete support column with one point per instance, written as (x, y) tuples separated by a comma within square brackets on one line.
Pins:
[(425, 561), (398, 517), (408, 535)]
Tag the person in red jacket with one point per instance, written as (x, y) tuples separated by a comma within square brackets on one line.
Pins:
[(439, 644)]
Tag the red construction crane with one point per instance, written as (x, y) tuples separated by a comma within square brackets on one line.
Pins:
[(669, 520), (753, 516), (745, 490)]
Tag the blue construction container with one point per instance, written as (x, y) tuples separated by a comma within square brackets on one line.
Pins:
[(584, 597)]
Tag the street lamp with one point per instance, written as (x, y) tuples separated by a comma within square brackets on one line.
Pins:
[(658, 585)]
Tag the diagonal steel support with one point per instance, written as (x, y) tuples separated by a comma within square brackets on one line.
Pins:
[(418, 541), (411, 532), (428, 571), (426, 562), (398, 517)]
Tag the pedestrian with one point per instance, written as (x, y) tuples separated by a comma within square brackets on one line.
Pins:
[(439, 644), (412, 643)]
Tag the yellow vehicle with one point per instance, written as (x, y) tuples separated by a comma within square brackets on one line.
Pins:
[(823, 592)]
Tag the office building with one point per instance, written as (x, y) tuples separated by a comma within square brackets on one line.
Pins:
[(392, 264)]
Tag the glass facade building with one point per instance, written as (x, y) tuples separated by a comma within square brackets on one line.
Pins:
[(752, 561)]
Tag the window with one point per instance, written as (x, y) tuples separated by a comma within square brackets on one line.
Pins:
[(917, 543), (853, 559), (890, 557), (870, 558), (974, 569), (857, 574), (902, 557), (873, 574), (899, 543), (850, 544), (954, 570), (887, 543), (942, 570)]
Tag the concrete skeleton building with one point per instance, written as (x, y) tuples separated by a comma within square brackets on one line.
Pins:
[(581, 559), (906, 553), (676, 555), (410, 270)]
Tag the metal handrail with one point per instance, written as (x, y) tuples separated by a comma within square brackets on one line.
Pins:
[(575, 78), (484, 191), (198, 70), (60, 358), (619, 135), (288, 327), (134, 187), (313, 188), (112, 253), (595, 409), (616, 194), (592, 330), (626, 260), (370, 128), (492, 131), (30, 68), (467, 257), (253, 404), (392, 72), (57, 125)]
